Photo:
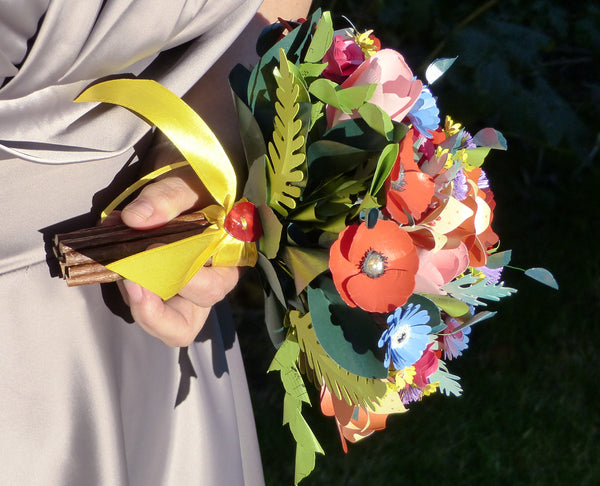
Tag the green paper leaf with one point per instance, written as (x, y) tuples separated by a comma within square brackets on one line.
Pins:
[(255, 189), (321, 40), (449, 305), (316, 113), (274, 318), (261, 88), (348, 335), (346, 100), (437, 68), (377, 119), (285, 173), (470, 289), (476, 156), (500, 259), (355, 96), (385, 164), (449, 384), (307, 444), (319, 366), (543, 276), (272, 229), (269, 274), (305, 264), (309, 70)]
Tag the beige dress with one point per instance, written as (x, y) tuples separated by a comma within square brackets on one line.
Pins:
[(85, 397)]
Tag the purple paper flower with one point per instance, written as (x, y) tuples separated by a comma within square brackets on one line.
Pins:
[(410, 394), (492, 274), (460, 188), (424, 114), (407, 336)]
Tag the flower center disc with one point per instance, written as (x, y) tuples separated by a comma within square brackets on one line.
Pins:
[(373, 264)]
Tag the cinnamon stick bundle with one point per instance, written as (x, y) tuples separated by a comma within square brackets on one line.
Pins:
[(83, 254)]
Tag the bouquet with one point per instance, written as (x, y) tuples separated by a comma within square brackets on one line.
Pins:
[(367, 216)]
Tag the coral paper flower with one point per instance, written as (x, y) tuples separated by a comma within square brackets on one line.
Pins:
[(374, 268), (396, 92), (353, 422), (342, 58), (408, 189), (406, 338)]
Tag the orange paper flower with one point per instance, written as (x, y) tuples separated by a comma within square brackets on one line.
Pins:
[(353, 422), (374, 268), (408, 189)]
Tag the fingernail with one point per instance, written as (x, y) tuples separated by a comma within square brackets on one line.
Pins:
[(141, 208), (134, 291)]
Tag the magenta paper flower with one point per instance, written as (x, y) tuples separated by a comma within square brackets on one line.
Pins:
[(342, 58), (396, 92)]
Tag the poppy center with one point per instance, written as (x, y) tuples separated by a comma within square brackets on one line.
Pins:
[(373, 264)]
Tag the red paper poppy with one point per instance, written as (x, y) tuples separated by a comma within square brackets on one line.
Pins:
[(408, 189), (375, 268)]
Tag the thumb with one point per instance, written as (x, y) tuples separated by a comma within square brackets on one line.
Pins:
[(160, 202)]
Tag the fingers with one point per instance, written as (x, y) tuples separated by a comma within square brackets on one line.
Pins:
[(210, 285), (178, 320), (175, 322), (160, 202)]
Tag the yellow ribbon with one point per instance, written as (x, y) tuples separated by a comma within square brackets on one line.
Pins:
[(165, 270)]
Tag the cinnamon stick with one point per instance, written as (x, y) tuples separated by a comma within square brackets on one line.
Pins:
[(83, 254)]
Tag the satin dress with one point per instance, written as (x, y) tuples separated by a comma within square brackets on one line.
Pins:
[(86, 397)]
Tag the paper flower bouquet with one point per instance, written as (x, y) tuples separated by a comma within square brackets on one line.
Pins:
[(368, 218)]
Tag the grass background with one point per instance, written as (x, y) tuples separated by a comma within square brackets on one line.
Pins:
[(529, 412)]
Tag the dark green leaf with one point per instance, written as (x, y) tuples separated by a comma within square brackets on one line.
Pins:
[(348, 335)]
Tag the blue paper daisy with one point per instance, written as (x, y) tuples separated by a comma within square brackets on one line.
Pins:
[(407, 336)]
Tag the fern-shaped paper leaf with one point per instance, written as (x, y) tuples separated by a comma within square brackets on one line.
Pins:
[(295, 393), (353, 389), (286, 153)]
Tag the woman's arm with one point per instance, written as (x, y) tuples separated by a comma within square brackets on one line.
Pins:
[(177, 321)]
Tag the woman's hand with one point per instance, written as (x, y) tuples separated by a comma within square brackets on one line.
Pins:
[(178, 320)]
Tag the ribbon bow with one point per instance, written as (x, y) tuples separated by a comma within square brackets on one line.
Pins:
[(235, 227)]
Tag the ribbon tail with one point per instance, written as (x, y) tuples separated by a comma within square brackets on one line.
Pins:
[(165, 270), (180, 123)]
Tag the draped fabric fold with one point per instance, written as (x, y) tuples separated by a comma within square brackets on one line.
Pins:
[(84, 41)]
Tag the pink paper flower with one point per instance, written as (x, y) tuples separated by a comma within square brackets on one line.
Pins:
[(437, 268), (396, 92), (342, 58)]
